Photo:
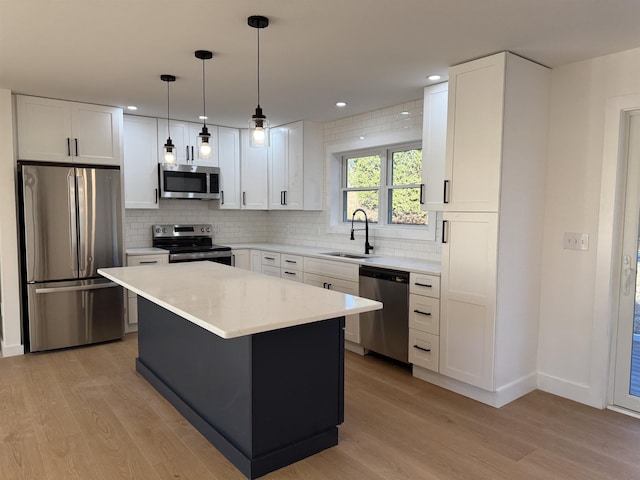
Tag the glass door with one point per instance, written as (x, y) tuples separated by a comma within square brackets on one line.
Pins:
[(627, 361)]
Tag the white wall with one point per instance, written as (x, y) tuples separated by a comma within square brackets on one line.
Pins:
[(575, 318), (11, 343)]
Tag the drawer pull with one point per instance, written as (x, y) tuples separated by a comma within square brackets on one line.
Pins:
[(422, 313), (423, 285), (422, 348), (269, 258), (291, 261), (148, 261), (290, 273)]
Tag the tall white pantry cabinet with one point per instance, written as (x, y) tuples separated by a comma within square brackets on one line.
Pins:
[(493, 193)]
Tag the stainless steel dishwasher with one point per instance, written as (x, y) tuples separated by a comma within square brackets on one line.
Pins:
[(386, 331)]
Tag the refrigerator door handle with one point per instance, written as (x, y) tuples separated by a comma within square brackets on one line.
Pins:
[(73, 230), (82, 225), (76, 288)]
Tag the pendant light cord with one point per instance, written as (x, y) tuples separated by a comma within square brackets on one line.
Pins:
[(258, 30), (204, 103), (168, 127)]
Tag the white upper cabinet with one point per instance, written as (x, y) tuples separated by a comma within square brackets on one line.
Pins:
[(254, 178), (229, 161), (474, 135), (185, 137), (434, 140), (296, 168), (69, 132), (140, 162)]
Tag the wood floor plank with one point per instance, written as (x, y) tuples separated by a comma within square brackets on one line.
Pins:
[(85, 413)]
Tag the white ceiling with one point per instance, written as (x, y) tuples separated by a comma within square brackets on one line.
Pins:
[(370, 53)]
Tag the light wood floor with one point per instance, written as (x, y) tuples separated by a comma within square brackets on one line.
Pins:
[(84, 413)]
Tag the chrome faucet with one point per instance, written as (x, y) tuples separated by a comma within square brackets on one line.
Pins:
[(367, 246)]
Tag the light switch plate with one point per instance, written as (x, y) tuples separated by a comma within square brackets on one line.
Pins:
[(576, 241)]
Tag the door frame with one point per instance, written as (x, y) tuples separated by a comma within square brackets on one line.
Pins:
[(609, 249)]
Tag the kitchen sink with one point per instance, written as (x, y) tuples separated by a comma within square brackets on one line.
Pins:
[(346, 255)]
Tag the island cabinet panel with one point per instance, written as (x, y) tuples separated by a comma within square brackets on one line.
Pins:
[(250, 396)]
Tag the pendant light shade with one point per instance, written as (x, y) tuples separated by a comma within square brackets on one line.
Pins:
[(204, 138), (169, 147), (258, 124)]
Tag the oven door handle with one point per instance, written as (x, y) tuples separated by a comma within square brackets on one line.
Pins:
[(195, 256)]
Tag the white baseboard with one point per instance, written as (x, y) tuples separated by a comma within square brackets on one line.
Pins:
[(354, 347), (577, 392), (499, 398), (11, 350)]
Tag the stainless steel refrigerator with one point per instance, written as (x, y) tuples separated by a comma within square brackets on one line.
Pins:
[(72, 225)]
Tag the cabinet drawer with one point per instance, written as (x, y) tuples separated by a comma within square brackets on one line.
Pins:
[(291, 262), (290, 274), (271, 258), (337, 284), (271, 270), (422, 284), (424, 349), (424, 314), (343, 270), (158, 259)]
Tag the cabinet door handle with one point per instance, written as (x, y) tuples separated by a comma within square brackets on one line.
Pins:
[(422, 348), (422, 194), (221, 197), (445, 238), (329, 286), (148, 262), (285, 197), (187, 152), (193, 157), (324, 285), (244, 198), (423, 285), (282, 197), (76, 142), (422, 313), (446, 191), (68, 147)]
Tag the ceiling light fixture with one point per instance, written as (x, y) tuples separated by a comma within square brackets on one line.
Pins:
[(169, 147), (204, 145), (433, 78), (341, 104), (258, 124), (131, 107)]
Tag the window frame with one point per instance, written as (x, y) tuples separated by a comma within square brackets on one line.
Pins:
[(386, 187)]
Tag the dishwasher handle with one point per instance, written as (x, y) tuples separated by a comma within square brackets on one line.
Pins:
[(396, 276)]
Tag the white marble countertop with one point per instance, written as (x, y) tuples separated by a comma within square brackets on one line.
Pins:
[(398, 263), (146, 251), (232, 302)]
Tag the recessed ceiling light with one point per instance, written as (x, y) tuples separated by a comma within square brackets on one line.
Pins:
[(361, 138), (202, 117), (433, 78), (131, 107), (404, 113), (341, 104)]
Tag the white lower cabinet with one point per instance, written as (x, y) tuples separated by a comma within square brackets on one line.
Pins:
[(424, 321), (291, 267), (270, 262), (132, 298), (241, 258), (341, 277)]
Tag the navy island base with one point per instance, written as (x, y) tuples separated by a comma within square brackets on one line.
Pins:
[(264, 400)]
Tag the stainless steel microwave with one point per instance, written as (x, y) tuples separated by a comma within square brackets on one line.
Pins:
[(189, 181)]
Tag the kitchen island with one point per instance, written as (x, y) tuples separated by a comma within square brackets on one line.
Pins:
[(255, 363)]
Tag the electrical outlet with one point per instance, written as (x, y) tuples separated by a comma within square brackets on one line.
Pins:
[(576, 241)]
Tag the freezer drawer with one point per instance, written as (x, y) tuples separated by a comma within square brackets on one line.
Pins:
[(66, 314)]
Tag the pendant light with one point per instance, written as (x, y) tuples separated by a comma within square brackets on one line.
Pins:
[(258, 124), (204, 145), (169, 147)]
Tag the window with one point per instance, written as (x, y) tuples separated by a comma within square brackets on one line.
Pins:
[(385, 183)]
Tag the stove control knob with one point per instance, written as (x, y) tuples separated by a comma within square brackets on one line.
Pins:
[(202, 229), (164, 230), (208, 229), (158, 229)]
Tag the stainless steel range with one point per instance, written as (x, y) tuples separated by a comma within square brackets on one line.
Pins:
[(190, 243)]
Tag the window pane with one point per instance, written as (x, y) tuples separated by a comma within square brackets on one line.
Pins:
[(363, 171), (364, 199), (404, 207), (407, 167)]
